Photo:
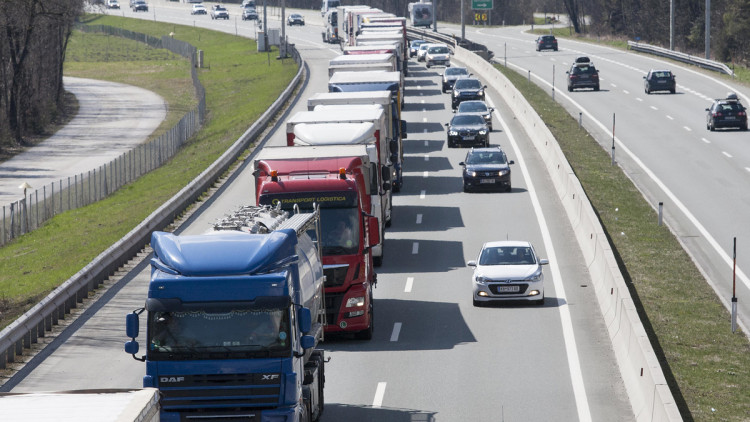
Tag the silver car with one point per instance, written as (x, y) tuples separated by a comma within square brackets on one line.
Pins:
[(508, 270), (477, 107)]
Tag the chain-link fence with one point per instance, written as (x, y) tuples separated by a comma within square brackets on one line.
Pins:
[(83, 189)]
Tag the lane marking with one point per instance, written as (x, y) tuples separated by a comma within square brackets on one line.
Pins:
[(379, 393), (424, 174), (419, 218), (396, 331), (639, 99), (409, 284), (427, 156), (688, 129), (625, 91), (727, 154), (422, 194), (426, 143), (654, 108), (670, 117), (705, 140), (415, 248), (574, 365)]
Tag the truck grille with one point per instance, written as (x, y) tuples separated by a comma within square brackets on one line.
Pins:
[(220, 390), (335, 275), (333, 304)]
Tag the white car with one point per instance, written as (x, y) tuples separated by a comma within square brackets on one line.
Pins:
[(422, 51), (438, 55), (508, 270), (199, 9)]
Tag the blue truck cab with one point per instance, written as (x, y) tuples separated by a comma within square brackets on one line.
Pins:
[(233, 319)]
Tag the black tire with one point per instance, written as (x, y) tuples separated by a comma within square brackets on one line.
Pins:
[(672, 91), (570, 88), (596, 88), (539, 302), (476, 303), (711, 127), (377, 260), (509, 188), (646, 91)]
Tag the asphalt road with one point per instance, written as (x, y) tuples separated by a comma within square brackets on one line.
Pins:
[(433, 356), (112, 119), (662, 143)]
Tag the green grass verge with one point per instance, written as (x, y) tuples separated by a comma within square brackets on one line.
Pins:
[(240, 85), (707, 367)]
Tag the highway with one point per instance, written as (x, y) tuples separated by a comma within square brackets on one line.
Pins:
[(662, 143), (434, 356)]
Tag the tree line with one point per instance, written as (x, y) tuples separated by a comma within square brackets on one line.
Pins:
[(33, 37)]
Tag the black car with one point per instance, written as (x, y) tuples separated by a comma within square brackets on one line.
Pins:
[(583, 75), (295, 19), (451, 74), (466, 89), (486, 168), (659, 80), (249, 14), (140, 5), (480, 108), (726, 112), (469, 129), (546, 42)]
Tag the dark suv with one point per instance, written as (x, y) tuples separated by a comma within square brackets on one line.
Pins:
[(546, 42), (583, 75), (659, 80), (486, 168), (466, 89), (726, 112)]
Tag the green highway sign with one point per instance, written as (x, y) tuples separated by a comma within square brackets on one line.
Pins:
[(481, 4)]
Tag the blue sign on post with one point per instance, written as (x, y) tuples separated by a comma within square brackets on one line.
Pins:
[(481, 4)]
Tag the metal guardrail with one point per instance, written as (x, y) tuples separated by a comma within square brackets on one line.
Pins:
[(683, 57), (33, 324)]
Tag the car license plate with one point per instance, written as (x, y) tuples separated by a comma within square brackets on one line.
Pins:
[(486, 180), (661, 81), (729, 118), (510, 289), (469, 138)]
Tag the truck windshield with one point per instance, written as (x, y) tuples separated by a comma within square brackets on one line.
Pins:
[(340, 231), (232, 333)]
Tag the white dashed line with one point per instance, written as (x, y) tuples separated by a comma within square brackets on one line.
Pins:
[(688, 129), (409, 284), (415, 248), (419, 218), (705, 140), (727, 154), (626, 91), (422, 194), (613, 85), (379, 393), (653, 108), (396, 331), (670, 117), (427, 157), (426, 143), (747, 168)]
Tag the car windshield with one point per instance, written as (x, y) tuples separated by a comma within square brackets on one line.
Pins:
[(468, 84), (472, 107), (583, 69), (453, 71), (730, 106), (661, 74), (424, 47), (465, 120), (438, 50), (485, 157), (417, 43), (507, 255)]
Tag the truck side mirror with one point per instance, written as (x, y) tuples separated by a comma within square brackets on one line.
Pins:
[(307, 342), (131, 325), (373, 231), (131, 347), (403, 129), (305, 319)]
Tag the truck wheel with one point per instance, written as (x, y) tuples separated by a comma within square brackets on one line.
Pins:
[(377, 260)]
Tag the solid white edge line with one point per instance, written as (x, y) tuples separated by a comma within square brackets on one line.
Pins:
[(379, 393), (425, 174), (396, 331), (673, 198), (576, 377), (409, 284)]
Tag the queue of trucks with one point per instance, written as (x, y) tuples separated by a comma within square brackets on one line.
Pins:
[(234, 318)]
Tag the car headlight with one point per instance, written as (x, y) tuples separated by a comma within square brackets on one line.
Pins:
[(452, 133), (537, 276), (480, 279), (483, 132), (503, 172), (471, 173), (355, 302), (487, 117)]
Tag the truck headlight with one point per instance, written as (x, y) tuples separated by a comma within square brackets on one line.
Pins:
[(353, 302)]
